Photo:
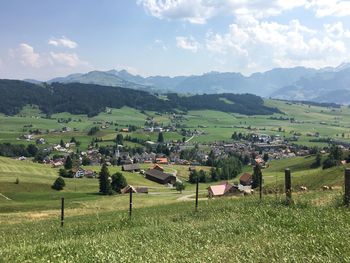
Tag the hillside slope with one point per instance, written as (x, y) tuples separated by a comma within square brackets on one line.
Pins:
[(90, 99)]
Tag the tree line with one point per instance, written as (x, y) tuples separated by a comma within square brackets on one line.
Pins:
[(91, 99)]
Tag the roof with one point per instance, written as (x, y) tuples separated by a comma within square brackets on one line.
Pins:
[(127, 188), (246, 177), (157, 166), (157, 174), (162, 160), (259, 160), (220, 189), (131, 167)]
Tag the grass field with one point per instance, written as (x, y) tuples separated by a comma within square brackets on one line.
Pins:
[(223, 230), (215, 125), (164, 227)]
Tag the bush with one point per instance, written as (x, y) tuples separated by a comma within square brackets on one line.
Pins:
[(58, 184), (179, 186), (118, 182), (328, 163), (65, 174)]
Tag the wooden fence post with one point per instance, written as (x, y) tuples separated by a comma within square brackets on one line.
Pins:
[(62, 211), (347, 187), (130, 202), (260, 185), (197, 182), (288, 185)]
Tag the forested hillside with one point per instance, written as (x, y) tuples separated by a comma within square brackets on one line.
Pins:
[(91, 99)]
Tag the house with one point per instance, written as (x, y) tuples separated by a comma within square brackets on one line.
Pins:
[(57, 164), (124, 130), (89, 174), (222, 190), (131, 167), (140, 190), (246, 179), (158, 167), (79, 173), (162, 160), (160, 177)]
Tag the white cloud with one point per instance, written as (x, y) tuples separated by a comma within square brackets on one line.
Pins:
[(324, 8), (25, 62), (337, 30), (67, 59), (26, 55), (188, 43), (265, 44), (199, 11), (63, 42)]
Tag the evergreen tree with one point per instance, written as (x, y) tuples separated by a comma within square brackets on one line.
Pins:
[(118, 182), (58, 184), (69, 163), (105, 184), (160, 137), (266, 157), (214, 175), (317, 162), (62, 143), (193, 177), (119, 140), (257, 176)]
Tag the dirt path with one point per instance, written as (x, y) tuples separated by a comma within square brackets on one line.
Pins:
[(190, 198), (5, 197)]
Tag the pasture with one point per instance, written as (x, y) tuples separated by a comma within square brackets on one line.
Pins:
[(213, 125)]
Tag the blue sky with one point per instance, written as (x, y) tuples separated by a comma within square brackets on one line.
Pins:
[(43, 39)]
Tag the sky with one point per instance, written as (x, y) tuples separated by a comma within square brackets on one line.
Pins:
[(43, 39)]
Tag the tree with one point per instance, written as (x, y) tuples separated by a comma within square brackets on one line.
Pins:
[(179, 186), (214, 174), (73, 140), (118, 182), (160, 137), (193, 177), (68, 163), (328, 163), (317, 162), (257, 176), (105, 184), (230, 167), (202, 176), (119, 140), (266, 157), (32, 149), (85, 161), (64, 173), (58, 184)]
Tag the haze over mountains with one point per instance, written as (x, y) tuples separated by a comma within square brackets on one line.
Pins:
[(299, 83)]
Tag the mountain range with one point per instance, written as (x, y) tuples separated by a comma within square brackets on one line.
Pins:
[(298, 83)]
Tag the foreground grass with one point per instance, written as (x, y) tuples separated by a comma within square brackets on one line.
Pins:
[(224, 230)]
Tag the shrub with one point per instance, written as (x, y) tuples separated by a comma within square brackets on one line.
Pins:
[(118, 182), (58, 184)]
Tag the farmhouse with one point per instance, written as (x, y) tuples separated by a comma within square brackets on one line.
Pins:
[(131, 167), (222, 190), (140, 190), (160, 177), (158, 167), (246, 179), (162, 160)]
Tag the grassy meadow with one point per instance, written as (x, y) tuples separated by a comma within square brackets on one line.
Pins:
[(164, 227), (214, 125)]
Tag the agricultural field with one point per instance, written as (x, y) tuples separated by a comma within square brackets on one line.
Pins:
[(213, 125), (223, 230)]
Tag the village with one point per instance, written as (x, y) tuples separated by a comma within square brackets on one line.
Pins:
[(148, 160)]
